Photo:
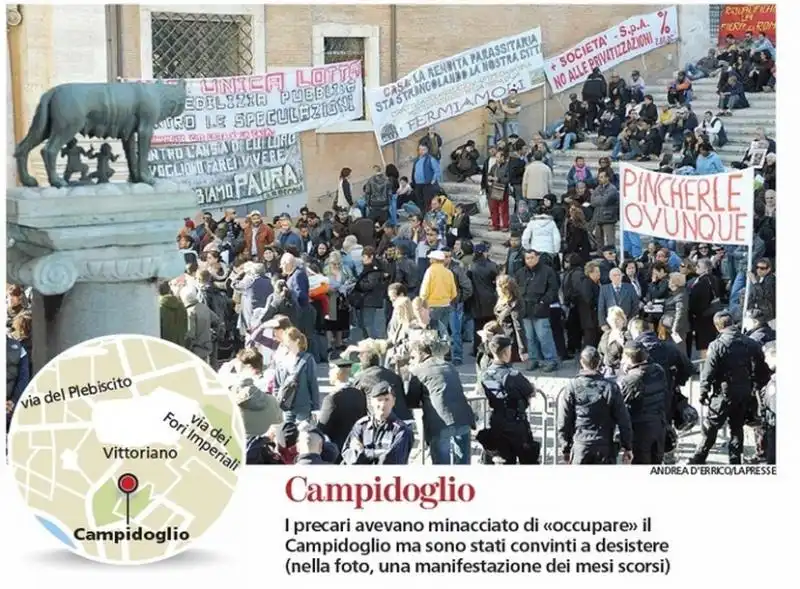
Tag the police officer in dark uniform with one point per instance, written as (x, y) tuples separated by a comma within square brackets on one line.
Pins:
[(644, 389), (314, 447), (509, 394), (768, 402), (380, 437), (676, 364), (733, 370), (589, 411), (18, 374)]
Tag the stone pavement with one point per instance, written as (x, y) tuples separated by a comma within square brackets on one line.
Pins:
[(550, 385)]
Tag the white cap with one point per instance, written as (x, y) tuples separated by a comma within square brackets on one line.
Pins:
[(436, 255)]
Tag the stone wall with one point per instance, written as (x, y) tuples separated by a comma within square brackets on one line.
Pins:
[(69, 43)]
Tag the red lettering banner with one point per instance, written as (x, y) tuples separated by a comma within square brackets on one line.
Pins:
[(717, 208), (737, 19)]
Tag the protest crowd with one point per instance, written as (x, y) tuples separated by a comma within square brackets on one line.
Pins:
[(390, 289)]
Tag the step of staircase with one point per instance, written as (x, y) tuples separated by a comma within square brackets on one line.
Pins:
[(741, 129)]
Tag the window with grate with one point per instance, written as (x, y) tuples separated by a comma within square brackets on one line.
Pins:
[(338, 49), (187, 45), (715, 11)]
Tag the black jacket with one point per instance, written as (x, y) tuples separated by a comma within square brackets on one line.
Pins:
[(372, 284), (734, 367), (508, 393), (340, 410), (610, 127), (364, 230), (516, 169), (577, 242), (676, 365), (649, 113), (590, 410), (762, 335), (369, 377), (588, 295), (658, 290), (644, 388), (483, 273), (763, 295), (594, 88), (538, 289), (435, 385)]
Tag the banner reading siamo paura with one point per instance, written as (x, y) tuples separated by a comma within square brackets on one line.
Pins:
[(452, 86), (235, 172)]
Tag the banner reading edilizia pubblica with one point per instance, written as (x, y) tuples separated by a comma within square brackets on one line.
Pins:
[(282, 101), (452, 86), (234, 172)]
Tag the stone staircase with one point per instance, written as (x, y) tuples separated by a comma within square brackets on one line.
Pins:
[(741, 129)]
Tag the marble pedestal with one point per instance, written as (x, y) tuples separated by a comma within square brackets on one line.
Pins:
[(93, 255)]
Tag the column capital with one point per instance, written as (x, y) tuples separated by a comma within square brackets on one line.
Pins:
[(110, 233)]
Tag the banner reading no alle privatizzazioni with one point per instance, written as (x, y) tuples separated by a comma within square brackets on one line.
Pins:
[(630, 38), (716, 208), (452, 86)]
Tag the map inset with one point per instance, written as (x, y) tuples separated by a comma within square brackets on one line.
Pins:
[(127, 448)]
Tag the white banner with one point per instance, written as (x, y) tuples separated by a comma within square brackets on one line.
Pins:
[(717, 208), (449, 87), (280, 102), (630, 38)]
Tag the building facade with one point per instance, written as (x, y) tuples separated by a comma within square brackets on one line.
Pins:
[(55, 44)]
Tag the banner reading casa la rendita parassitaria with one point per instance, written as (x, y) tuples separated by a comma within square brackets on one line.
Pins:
[(452, 86)]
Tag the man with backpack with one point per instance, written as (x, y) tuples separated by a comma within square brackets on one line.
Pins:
[(378, 195)]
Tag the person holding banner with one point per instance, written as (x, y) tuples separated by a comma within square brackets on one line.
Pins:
[(495, 123), (511, 107)]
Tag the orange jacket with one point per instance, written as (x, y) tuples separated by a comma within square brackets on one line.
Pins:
[(264, 237)]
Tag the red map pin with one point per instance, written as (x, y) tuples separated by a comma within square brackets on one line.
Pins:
[(128, 483)]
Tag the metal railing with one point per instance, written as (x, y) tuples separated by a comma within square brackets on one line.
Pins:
[(690, 389), (537, 418)]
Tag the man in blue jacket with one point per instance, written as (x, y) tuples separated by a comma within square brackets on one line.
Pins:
[(426, 173)]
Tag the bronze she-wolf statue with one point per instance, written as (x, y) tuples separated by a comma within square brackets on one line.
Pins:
[(128, 111)]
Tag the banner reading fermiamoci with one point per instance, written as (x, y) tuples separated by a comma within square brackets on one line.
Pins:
[(717, 208), (452, 86), (236, 172), (630, 38), (282, 101)]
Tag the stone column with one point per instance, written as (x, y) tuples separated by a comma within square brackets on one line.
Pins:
[(95, 254)]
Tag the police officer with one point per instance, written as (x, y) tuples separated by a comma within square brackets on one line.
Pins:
[(313, 447), (589, 412), (509, 393), (676, 364), (380, 437), (768, 403), (644, 389), (18, 374), (733, 370)]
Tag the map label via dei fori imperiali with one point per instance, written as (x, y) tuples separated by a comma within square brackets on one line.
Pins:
[(126, 448)]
